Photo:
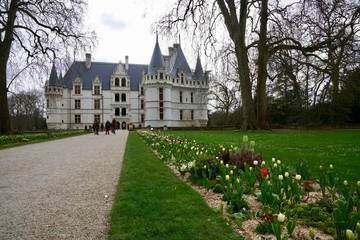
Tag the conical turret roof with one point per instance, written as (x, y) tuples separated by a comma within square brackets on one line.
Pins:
[(157, 60), (199, 72), (178, 61), (53, 80)]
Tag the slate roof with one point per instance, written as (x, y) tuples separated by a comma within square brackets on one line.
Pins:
[(104, 70), (157, 60), (199, 72), (177, 62), (54, 80)]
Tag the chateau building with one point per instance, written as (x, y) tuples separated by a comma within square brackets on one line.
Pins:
[(165, 93)]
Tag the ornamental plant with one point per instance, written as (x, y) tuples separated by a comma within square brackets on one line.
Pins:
[(235, 171), (241, 156)]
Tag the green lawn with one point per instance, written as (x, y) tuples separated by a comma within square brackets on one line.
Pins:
[(152, 203), (338, 147)]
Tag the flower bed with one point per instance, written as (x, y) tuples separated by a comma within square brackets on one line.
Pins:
[(264, 198)]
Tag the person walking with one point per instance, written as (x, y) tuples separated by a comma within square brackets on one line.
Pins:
[(113, 126), (107, 127), (96, 127)]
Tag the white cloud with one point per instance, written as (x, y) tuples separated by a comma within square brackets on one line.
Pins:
[(110, 21)]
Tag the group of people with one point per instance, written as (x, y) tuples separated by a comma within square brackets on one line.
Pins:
[(108, 126)]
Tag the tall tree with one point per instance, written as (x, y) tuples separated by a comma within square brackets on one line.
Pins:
[(337, 23), (38, 29), (258, 29), (27, 110), (234, 17)]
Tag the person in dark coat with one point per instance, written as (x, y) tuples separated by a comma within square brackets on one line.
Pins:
[(96, 127), (113, 126), (107, 127)]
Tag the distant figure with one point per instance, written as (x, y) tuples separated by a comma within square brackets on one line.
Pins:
[(96, 127), (107, 127), (102, 127), (113, 126)]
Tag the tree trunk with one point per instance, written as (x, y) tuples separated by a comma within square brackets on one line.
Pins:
[(249, 121), (5, 46), (237, 31), (5, 123), (262, 120)]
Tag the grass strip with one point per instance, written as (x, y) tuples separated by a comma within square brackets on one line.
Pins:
[(339, 147), (15, 140), (152, 203)]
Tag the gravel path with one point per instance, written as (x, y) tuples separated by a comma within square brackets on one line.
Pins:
[(61, 189)]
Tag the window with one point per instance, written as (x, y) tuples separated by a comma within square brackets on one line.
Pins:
[(123, 97), (123, 111), (77, 118), (123, 82), (77, 89), (192, 114), (117, 97), (117, 82), (142, 104), (142, 117), (97, 117), (142, 91), (161, 104), (180, 96), (192, 97), (77, 104), (161, 115), (117, 111), (161, 92), (97, 104), (47, 103), (161, 75), (181, 114), (96, 90)]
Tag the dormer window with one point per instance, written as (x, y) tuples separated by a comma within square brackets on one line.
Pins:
[(123, 82), (96, 86), (77, 89), (77, 86), (96, 90), (117, 82)]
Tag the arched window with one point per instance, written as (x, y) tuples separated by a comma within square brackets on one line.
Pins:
[(123, 112), (123, 82), (117, 111), (117, 97), (117, 82), (123, 97)]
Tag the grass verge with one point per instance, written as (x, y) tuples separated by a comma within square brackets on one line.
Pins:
[(152, 203), (340, 147), (15, 140)]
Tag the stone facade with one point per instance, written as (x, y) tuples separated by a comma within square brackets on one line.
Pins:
[(165, 93)]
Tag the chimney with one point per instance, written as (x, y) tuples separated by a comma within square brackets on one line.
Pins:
[(127, 62), (88, 60)]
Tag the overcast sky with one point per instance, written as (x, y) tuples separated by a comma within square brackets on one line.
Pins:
[(123, 28)]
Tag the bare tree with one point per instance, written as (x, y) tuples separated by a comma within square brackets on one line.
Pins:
[(336, 23), (246, 23), (39, 30), (224, 90), (27, 110), (258, 29)]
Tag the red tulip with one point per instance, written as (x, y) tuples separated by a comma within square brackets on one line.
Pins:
[(264, 172)]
